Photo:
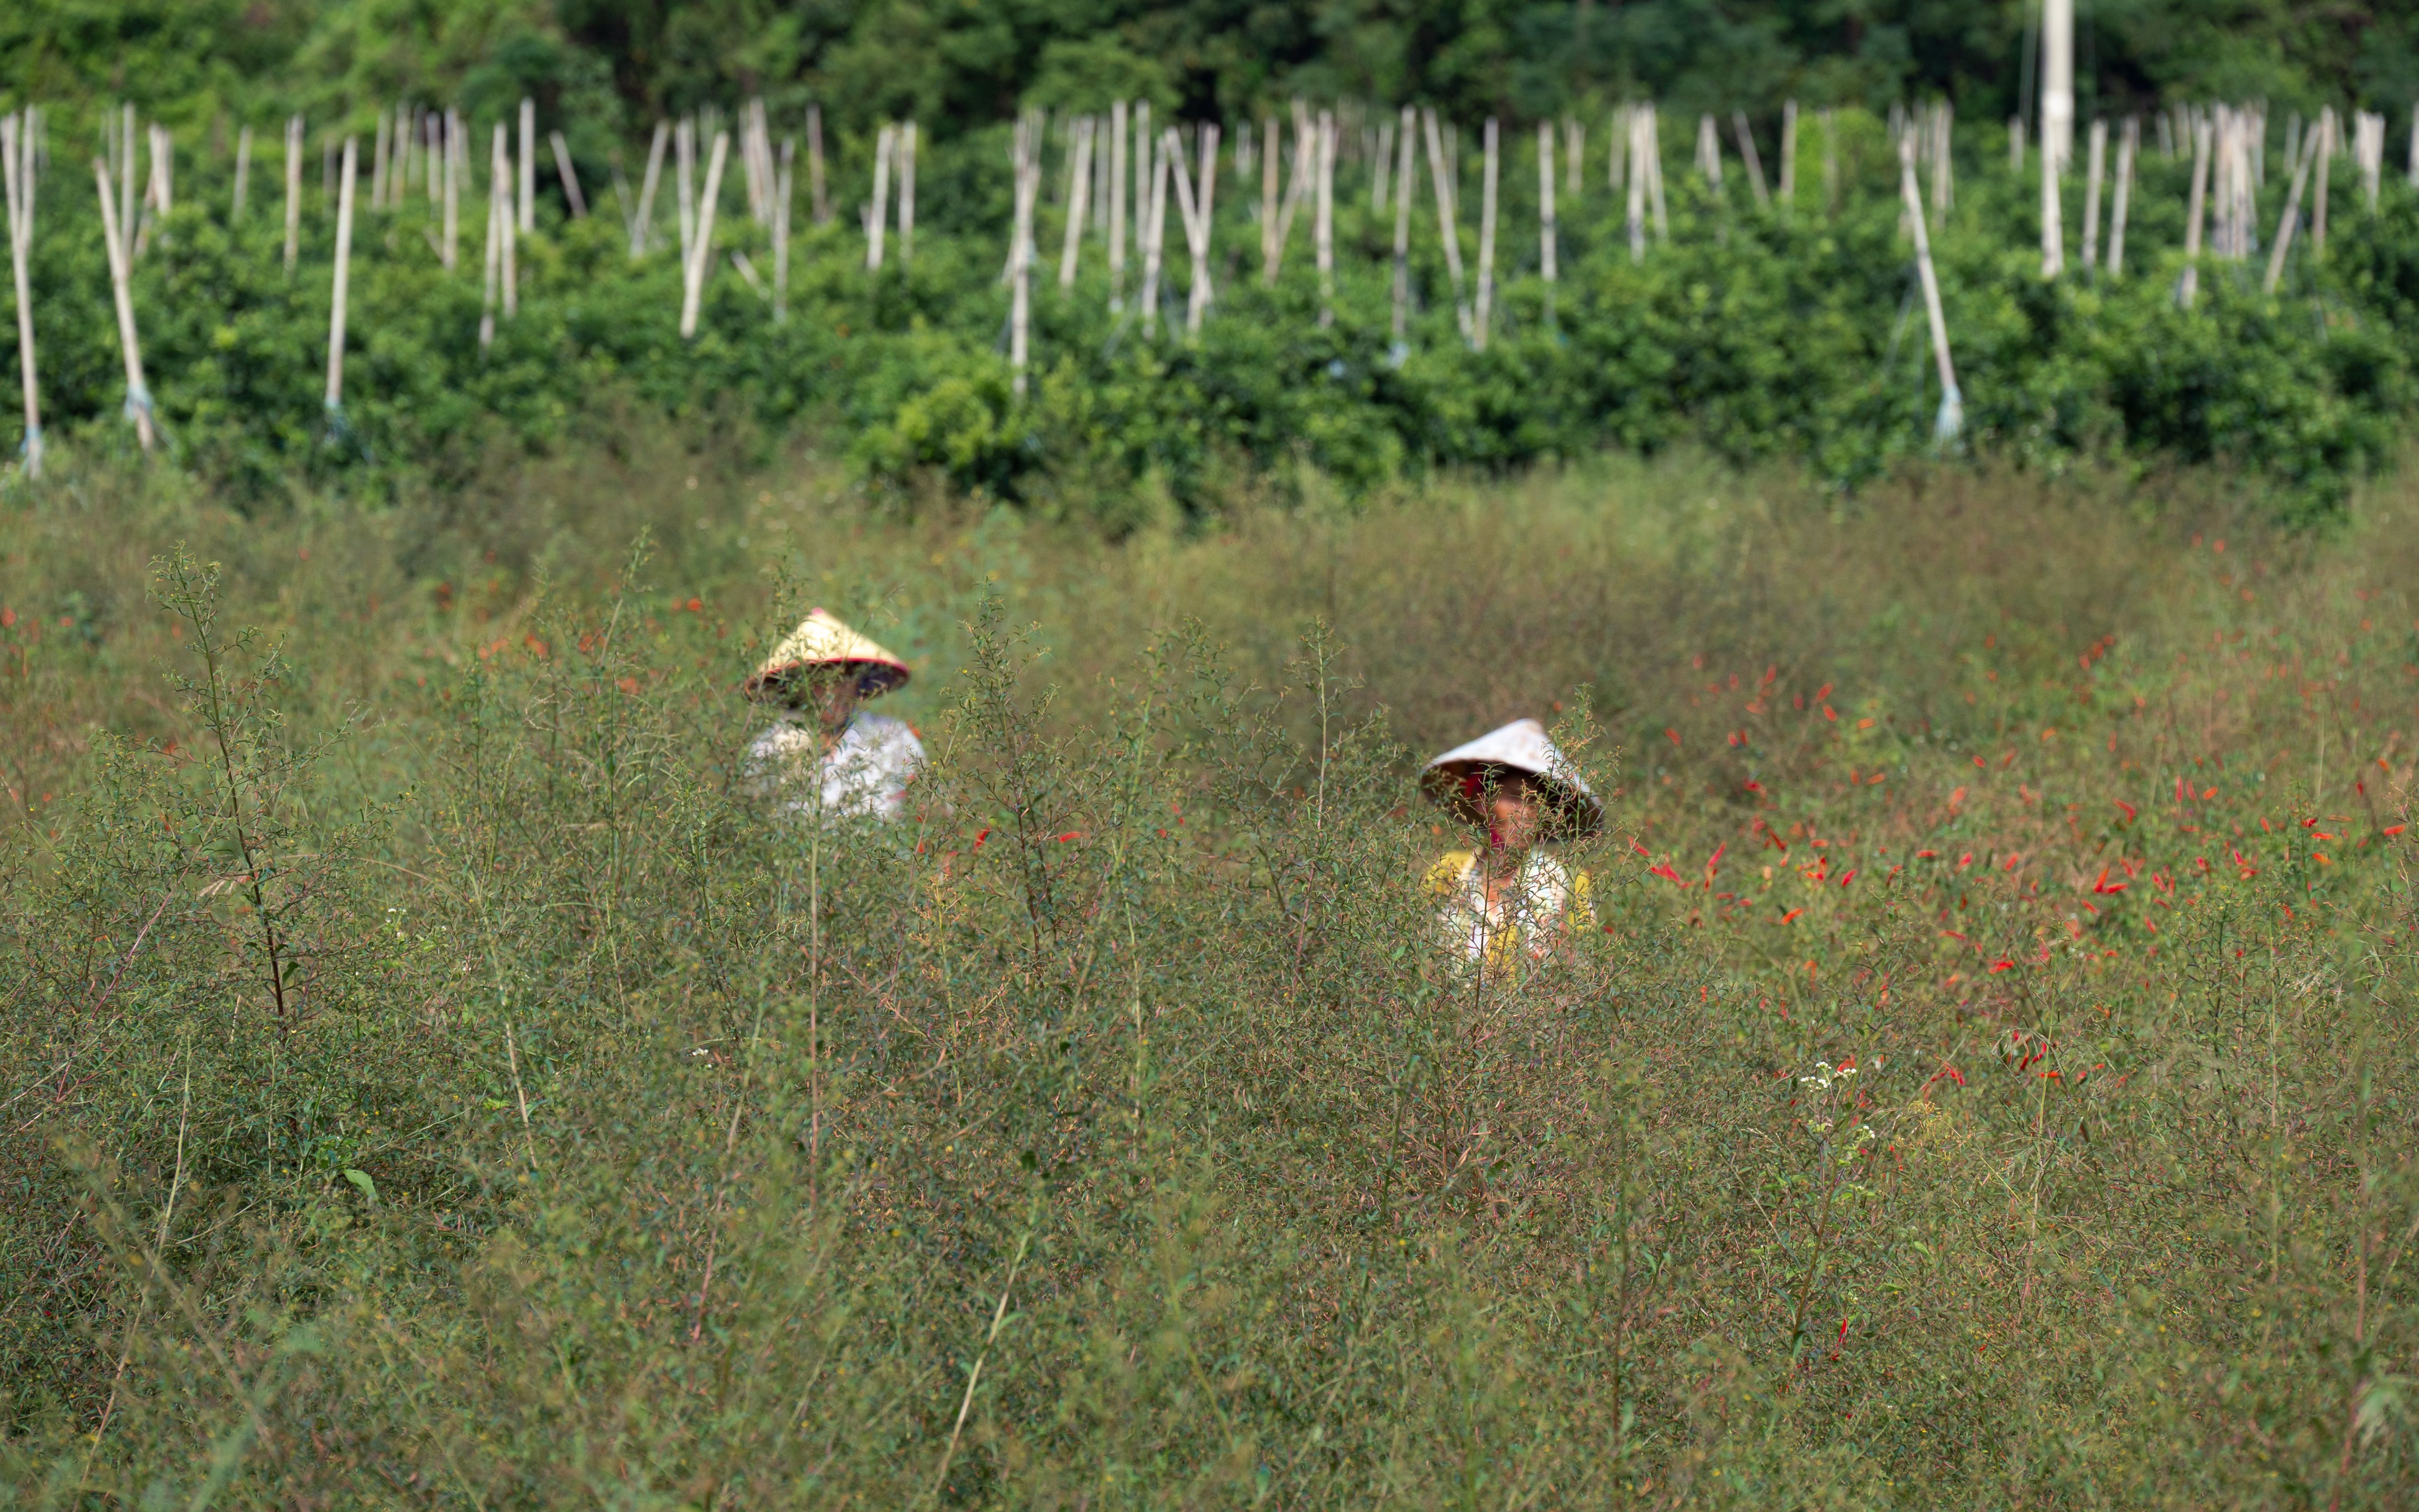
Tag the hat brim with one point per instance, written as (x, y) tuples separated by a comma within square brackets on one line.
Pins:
[(874, 678), (1570, 813)]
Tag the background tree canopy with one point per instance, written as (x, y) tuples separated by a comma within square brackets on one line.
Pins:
[(956, 63)]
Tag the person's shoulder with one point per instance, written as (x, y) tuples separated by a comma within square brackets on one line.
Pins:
[(1449, 869)]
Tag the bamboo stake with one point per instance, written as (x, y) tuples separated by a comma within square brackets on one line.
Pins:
[(17, 160), (1574, 149), (781, 230), (1271, 243), (905, 148), (1028, 164), (1382, 159), (1404, 186), (138, 398), (528, 166), (1655, 177), (570, 177), (884, 144), (685, 177), (1301, 187), (2095, 159), (1441, 175), (242, 170), (1487, 237), (643, 222), (1079, 199), (377, 164), (2326, 156), (1636, 123), (126, 209), (1153, 237), (1951, 417), (1709, 153), (2293, 212), (1196, 211), (498, 220), (816, 164), (1787, 154), (343, 272), (1754, 164), (293, 191), (436, 157), (1142, 178), (2191, 282), (1546, 248), (702, 256), (2052, 230), (457, 169), (1324, 225), (2129, 146), (507, 228), (1116, 206)]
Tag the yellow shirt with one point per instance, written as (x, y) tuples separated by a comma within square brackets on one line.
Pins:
[(1531, 914)]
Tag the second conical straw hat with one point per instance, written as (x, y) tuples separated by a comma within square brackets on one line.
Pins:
[(824, 640)]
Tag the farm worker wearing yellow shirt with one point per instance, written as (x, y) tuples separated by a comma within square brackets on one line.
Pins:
[(823, 756), (1511, 901)]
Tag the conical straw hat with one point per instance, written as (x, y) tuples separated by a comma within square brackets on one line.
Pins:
[(822, 639), (1459, 778)]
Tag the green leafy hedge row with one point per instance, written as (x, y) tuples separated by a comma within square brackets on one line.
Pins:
[(1757, 332)]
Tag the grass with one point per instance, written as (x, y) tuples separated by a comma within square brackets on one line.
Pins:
[(1991, 1086)]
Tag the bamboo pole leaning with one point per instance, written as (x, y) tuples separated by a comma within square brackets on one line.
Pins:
[(1079, 199), (17, 138), (1951, 417), (2194, 212), (138, 397), (569, 174), (2292, 210), (642, 219), (1749, 157), (1196, 209), (336, 399), (1152, 233), (1441, 176), (702, 256)]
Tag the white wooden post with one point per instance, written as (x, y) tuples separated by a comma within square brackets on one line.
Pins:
[(1153, 235), (138, 397), (1404, 186), (1441, 178), (2194, 212), (293, 191), (457, 169), (1325, 224), (2093, 168), (1116, 206), (2058, 81), (885, 143), (702, 256), (344, 270), (1546, 268), (2052, 231), (904, 146), (242, 170), (2129, 146), (1637, 185), (685, 177), (781, 230), (17, 159), (1655, 177), (1787, 154), (1951, 417), (499, 223), (1079, 199), (1027, 170), (1486, 312), (2326, 156)]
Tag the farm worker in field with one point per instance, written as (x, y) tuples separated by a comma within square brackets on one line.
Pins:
[(825, 756), (1511, 901)]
